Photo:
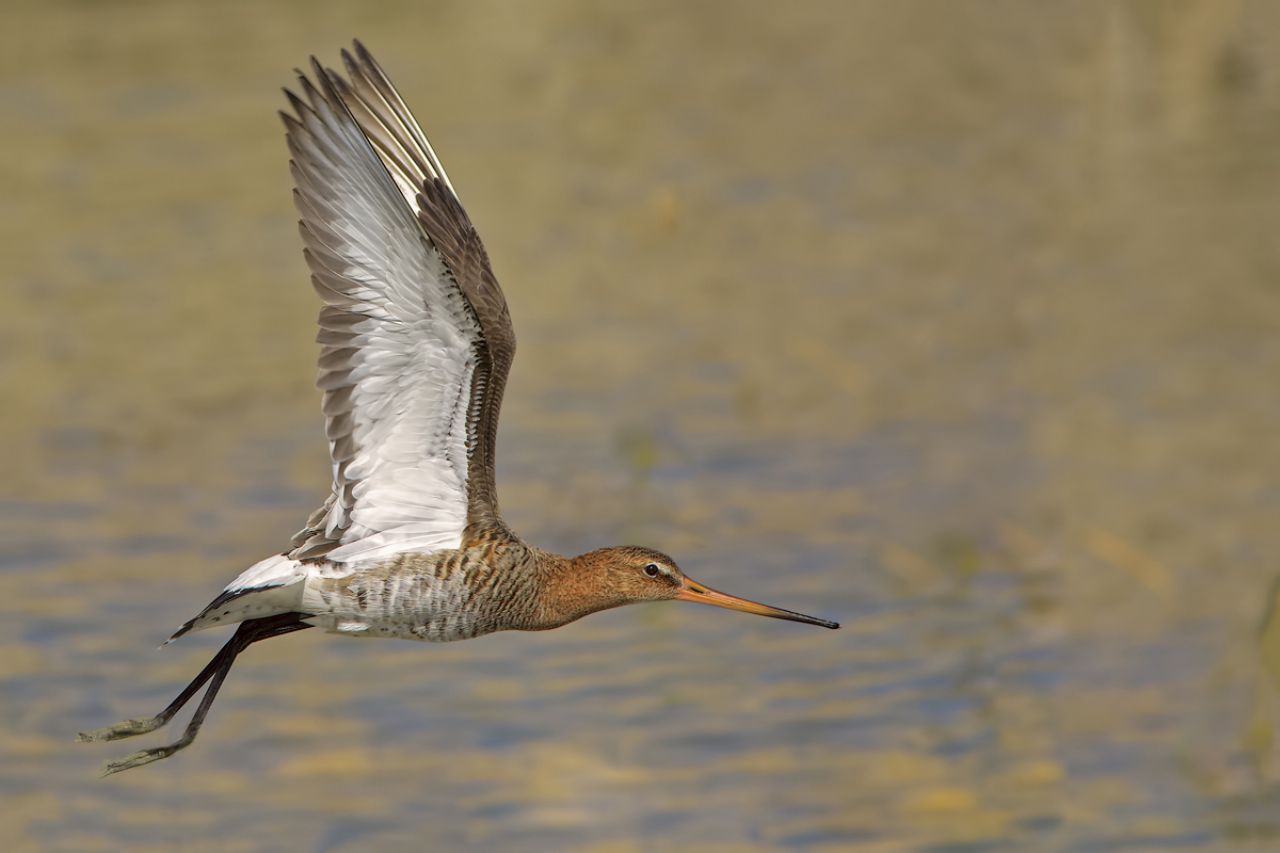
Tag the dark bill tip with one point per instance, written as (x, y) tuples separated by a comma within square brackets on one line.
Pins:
[(700, 594)]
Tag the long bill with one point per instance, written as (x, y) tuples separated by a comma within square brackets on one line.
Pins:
[(699, 594)]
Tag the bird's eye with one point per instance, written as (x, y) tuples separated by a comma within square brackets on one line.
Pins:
[(652, 570)]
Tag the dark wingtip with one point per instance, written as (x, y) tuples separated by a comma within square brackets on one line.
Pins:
[(349, 62)]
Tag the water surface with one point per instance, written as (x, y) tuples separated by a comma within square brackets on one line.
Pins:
[(955, 322)]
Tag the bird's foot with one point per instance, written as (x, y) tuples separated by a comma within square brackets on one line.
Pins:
[(145, 756), (122, 729)]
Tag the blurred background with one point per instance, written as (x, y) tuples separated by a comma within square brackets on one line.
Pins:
[(956, 322)]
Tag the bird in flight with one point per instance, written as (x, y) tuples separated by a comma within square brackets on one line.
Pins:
[(415, 344)]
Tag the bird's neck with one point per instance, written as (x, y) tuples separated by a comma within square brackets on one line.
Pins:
[(568, 590)]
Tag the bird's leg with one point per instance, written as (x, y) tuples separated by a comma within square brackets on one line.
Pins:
[(129, 728), (155, 753), (215, 672)]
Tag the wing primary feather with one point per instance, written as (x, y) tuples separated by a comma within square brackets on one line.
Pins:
[(379, 79), (415, 339)]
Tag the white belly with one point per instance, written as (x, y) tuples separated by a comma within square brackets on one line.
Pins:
[(392, 603)]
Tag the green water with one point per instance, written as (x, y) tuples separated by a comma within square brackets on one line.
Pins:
[(956, 322)]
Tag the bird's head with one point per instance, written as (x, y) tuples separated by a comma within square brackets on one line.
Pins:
[(611, 577)]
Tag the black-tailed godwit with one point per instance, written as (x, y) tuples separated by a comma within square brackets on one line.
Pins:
[(415, 343)]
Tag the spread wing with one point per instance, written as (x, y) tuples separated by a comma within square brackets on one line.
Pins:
[(415, 336)]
